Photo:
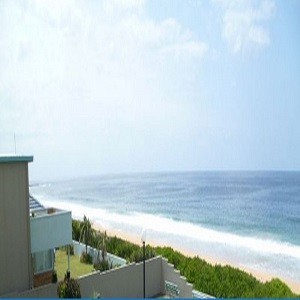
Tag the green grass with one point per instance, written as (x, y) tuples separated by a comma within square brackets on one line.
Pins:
[(76, 267)]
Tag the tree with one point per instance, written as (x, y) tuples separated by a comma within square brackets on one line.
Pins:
[(76, 228), (86, 232), (103, 246), (102, 264)]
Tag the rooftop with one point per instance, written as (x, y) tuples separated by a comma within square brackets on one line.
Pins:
[(34, 204), (12, 158)]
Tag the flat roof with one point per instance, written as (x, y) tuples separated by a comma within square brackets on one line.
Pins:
[(12, 158)]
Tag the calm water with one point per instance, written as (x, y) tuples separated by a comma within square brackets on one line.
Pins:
[(251, 219)]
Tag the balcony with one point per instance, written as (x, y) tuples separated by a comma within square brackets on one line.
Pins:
[(50, 228)]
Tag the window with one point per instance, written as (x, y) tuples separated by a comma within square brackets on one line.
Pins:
[(43, 261)]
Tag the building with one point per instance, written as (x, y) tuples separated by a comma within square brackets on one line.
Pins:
[(28, 235), (49, 228), (29, 232)]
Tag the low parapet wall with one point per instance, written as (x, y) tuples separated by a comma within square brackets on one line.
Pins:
[(122, 282), (172, 275), (46, 291)]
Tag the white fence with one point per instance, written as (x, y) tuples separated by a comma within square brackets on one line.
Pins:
[(123, 282), (112, 259)]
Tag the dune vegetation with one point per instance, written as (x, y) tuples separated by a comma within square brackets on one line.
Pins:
[(216, 280)]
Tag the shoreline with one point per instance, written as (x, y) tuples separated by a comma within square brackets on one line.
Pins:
[(261, 276)]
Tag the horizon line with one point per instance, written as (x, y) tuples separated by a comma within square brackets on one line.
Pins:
[(168, 172)]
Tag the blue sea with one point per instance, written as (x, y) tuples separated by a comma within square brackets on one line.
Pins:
[(249, 219)]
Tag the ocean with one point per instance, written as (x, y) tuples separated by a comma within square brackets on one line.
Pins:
[(249, 219)]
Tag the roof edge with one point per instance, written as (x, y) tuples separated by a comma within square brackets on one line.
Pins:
[(12, 158)]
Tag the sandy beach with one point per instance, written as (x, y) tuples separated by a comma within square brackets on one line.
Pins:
[(263, 277)]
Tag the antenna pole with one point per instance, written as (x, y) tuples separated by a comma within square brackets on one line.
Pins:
[(15, 143)]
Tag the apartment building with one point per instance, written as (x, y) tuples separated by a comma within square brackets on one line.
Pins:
[(28, 234)]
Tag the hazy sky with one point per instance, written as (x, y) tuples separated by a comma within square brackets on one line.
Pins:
[(94, 87)]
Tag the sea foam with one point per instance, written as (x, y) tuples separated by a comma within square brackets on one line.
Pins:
[(269, 256)]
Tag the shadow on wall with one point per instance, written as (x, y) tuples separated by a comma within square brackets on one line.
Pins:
[(124, 282)]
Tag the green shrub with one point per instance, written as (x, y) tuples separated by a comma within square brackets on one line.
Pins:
[(223, 281), (277, 288), (216, 280), (86, 258), (69, 288), (102, 265), (137, 255)]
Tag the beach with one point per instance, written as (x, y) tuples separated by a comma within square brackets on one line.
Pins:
[(249, 220), (261, 276)]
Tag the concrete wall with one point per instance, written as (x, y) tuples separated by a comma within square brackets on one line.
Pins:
[(15, 252), (123, 282), (173, 275), (46, 291), (42, 278), (49, 231)]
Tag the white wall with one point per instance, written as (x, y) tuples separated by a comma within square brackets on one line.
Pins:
[(50, 231), (173, 275), (124, 282), (115, 260)]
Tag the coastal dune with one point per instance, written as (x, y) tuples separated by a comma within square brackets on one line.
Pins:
[(243, 219), (135, 239)]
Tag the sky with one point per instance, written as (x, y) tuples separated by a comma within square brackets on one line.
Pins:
[(101, 87)]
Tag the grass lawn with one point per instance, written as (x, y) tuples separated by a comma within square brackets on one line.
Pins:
[(76, 267)]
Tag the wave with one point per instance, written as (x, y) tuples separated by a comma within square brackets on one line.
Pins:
[(253, 253), (162, 226)]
